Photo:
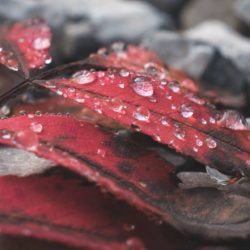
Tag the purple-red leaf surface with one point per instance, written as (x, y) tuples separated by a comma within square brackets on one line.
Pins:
[(64, 208), (164, 110), (128, 169)]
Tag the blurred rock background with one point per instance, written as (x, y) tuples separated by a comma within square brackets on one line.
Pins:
[(208, 39)]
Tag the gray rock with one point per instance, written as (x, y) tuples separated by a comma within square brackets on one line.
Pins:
[(198, 11), (231, 44), (21, 163), (200, 60), (81, 26), (242, 10)]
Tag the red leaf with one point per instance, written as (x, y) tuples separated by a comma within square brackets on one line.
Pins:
[(165, 111), (140, 60), (65, 209), (24, 45), (131, 171)]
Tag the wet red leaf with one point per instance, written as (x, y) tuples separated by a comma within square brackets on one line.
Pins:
[(64, 208), (130, 170), (164, 110), (25, 45)]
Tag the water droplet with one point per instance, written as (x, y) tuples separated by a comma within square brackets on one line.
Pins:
[(101, 152), (174, 86), (233, 120), (26, 139), (164, 121), (142, 86), (84, 77), (124, 73), (195, 98), (134, 244), (129, 227), (169, 97), (186, 111), (5, 134), (199, 142), (141, 114), (151, 68), (157, 137), (5, 110), (211, 143), (212, 120), (48, 60), (203, 121), (121, 85), (195, 149), (116, 105), (36, 127), (180, 134), (173, 107), (41, 43)]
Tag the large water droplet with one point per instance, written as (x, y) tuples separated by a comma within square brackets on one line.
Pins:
[(142, 114), (233, 120), (142, 86), (36, 127), (84, 77), (211, 143), (26, 139), (41, 43), (5, 110), (186, 111)]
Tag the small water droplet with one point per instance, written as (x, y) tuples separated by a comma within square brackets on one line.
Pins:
[(186, 111), (203, 121), (116, 105), (164, 121), (124, 73), (121, 85), (5, 110), (129, 227), (195, 98), (151, 68), (48, 60), (212, 120), (141, 114), (84, 77), (5, 134), (195, 149), (36, 127), (142, 86), (233, 120), (174, 86), (211, 143), (180, 134), (101, 152), (157, 137), (134, 244), (41, 43), (199, 142)]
